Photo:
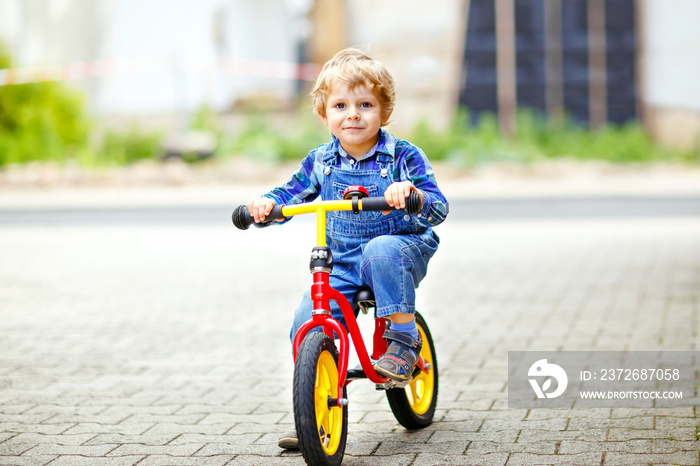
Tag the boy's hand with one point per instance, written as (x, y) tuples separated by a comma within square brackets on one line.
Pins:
[(260, 208), (396, 194)]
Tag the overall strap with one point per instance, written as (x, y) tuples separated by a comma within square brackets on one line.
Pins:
[(386, 165), (329, 159)]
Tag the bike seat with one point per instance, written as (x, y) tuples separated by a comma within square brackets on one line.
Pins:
[(364, 298)]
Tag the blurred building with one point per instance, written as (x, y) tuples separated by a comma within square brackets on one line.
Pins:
[(596, 61), (159, 56)]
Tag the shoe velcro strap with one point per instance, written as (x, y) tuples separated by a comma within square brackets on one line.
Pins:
[(403, 364), (401, 338)]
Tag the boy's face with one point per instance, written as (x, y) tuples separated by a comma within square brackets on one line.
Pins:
[(354, 117)]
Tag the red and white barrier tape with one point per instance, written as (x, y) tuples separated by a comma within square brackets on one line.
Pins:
[(106, 68)]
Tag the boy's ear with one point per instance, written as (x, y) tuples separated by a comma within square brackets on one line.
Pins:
[(324, 119), (386, 118)]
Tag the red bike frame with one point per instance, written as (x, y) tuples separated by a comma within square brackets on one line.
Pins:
[(321, 295)]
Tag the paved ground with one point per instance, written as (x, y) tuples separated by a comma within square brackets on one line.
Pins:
[(155, 343)]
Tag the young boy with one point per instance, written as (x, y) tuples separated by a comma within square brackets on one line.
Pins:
[(389, 251)]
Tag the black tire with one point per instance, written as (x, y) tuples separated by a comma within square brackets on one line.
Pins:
[(414, 406), (317, 359)]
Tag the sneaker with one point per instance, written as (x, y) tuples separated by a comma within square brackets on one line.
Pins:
[(401, 357), (289, 441)]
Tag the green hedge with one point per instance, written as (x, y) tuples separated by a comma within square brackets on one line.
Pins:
[(537, 139), (40, 121)]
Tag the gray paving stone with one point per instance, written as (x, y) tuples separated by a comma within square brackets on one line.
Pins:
[(629, 446), (45, 429), (144, 439), (440, 436), (26, 460), (624, 459), (240, 439), (620, 434), (15, 449), (6, 435), (532, 459), (501, 436), (541, 447), (391, 447), (361, 448), (247, 460), (45, 449), (597, 423), (595, 413), (166, 460), (458, 415), (549, 425), (237, 449), (36, 439), (668, 423), (95, 428), (672, 446), (482, 459), (224, 418), (75, 460), (172, 428), (139, 449)]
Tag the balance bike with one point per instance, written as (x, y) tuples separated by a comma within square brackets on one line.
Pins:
[(321, 373)]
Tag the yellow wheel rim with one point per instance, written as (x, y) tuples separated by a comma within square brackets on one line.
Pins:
[(329, 421), (420, 391)]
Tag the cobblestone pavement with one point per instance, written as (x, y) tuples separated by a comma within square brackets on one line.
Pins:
[(151, 344)]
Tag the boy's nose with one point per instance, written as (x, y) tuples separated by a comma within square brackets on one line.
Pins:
[(353, 113)]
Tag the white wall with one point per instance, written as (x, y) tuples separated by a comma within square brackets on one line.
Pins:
[(669, 71), (670, 52), (181, 35), (10, 20)]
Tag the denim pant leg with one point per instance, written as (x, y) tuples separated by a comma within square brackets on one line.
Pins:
[(341, 283), (393, 266)]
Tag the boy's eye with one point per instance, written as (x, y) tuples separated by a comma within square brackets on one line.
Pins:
[(340, 106), (365, 105)]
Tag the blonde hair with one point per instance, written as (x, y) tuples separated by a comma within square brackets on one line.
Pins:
[(353, 68)]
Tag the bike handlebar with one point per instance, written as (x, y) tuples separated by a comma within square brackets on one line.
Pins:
[(242, 219)]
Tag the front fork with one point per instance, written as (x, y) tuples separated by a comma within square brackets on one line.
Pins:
[(321, 265)]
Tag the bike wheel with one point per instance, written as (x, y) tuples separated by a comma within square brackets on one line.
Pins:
[(414, 405), (322, 430)]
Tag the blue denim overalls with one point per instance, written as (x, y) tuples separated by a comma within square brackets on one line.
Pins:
[(390, 253)]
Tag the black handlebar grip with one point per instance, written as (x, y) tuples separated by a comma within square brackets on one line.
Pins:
[(414, 203), (242, 219), (374, 204)]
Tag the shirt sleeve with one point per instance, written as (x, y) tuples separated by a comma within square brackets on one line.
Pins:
[(415, 167), (302, 186)]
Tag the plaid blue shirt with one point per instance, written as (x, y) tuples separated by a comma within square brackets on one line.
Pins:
[(410, 164)]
